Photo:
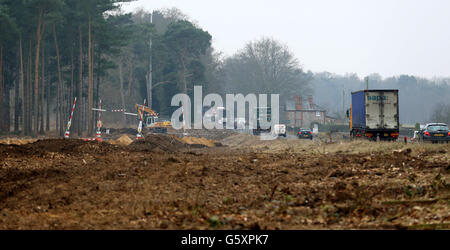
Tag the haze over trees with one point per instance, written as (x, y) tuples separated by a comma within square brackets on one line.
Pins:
[(52, 51), (441, 113)]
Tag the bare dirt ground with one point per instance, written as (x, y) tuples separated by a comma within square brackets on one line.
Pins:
[(239, 182)]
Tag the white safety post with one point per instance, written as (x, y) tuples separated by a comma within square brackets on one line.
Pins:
[(141, 116), (98, 134)]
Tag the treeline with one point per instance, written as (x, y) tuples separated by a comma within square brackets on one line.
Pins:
[(52, 51)]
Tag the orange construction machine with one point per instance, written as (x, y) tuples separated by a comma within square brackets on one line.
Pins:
[(150, 119)]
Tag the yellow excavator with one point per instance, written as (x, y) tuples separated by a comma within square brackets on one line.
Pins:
[(150, 120)]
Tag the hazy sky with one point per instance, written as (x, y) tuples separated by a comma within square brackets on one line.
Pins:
[(391, 37)]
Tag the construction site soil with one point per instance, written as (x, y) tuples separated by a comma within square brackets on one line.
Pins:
[(239, 182)]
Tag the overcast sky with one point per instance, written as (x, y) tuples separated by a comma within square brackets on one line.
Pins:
[(390, 37)]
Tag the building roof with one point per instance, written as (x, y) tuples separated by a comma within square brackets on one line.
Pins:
[(290, 106)]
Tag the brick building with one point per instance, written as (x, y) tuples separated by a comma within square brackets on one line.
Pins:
[(301, 114)]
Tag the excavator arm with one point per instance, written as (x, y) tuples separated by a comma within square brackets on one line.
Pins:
[(141, 109)]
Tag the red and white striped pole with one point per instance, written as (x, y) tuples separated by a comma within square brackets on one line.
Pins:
[(67, 134), (99, 122)]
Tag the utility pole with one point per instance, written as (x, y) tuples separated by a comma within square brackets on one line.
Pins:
[(150, 70), (343, 101), (367, 82)]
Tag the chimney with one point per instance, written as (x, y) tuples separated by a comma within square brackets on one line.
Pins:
[(310, 98), (298, 103)]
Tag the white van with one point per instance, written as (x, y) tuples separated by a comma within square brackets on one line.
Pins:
[(279, 130)]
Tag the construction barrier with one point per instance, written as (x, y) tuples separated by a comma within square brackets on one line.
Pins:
[(92, 139)]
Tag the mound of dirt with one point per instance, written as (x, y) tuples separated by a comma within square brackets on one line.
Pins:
[(239, 140), (66, 146), (158, 142), (211, 134), (199, 141), (41, 147), (124, 140), (15, 141)]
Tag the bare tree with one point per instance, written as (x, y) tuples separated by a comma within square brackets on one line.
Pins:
[(265, 66), (174, 14)]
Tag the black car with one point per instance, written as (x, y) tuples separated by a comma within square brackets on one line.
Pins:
[(435, 132), (305, 133)]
